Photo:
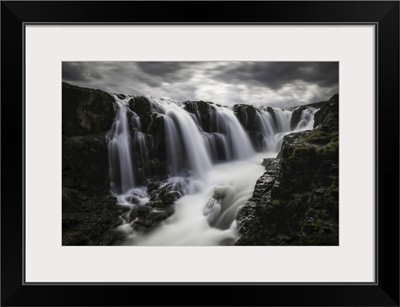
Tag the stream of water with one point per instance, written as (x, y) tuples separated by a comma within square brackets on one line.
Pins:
[(220, 168)]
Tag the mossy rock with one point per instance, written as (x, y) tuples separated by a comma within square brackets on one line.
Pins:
[(302, 205)]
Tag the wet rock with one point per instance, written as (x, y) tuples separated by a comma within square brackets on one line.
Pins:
[(273, 115), (246, 115), (169, 197), (151, 218), (153, 185), (203, 112), (156, 129), (121, 96)]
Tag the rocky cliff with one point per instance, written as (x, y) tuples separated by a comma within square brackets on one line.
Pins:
[(295, 202), (89, 213)]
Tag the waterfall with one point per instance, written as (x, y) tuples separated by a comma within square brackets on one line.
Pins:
[(306, 119), (119, 153), (184, 143), (211, 160), (265, 122), (283, 119), (236, 138)]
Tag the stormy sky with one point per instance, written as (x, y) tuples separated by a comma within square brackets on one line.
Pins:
[(227, 83)]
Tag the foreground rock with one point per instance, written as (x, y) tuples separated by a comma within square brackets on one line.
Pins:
[(163, 194), (295, 202), (89, 219)]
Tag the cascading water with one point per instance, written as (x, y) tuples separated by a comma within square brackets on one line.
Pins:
[(237, 139), (306, 119), (274, 131), (119, 152), (184, 143), (210, 161)]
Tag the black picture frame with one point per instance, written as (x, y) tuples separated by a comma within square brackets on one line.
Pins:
[(383, 14)]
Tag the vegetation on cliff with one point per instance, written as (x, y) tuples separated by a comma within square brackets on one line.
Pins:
[(295, 202)]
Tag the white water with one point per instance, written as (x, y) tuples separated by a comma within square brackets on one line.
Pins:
[(119, 152), (184, 142), (218, 169), (239, 144), (233, 182), (273, 134)]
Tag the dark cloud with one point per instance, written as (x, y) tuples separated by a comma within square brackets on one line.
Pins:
[(161, 68), (260, 83), (170, 72), (277, 74), (72, 72), (76, 72)]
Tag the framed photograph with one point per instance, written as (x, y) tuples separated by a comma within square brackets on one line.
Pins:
[(237, 147)]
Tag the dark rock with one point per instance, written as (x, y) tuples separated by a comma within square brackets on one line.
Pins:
[(272, 112), (139, 212), (152, 218), (156, 129), (85, 162), (246, 115), (140, 105), (89, 219), (203, 112), (153, 186), (247, 215), (160, 206), (328, 115), (89, 213), (85, 111), (169, 197), (143, 108)]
